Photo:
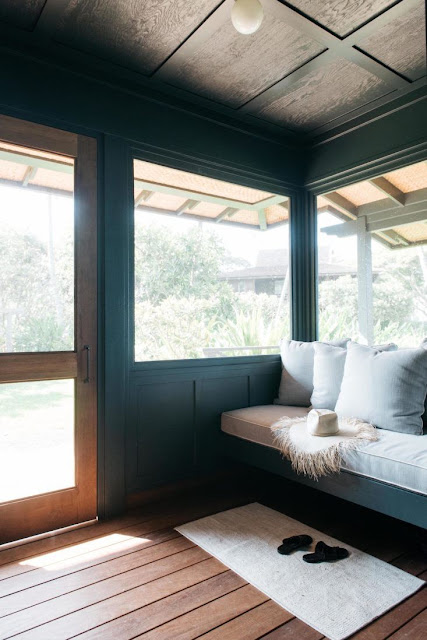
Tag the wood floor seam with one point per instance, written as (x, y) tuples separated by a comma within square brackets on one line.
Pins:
[(71, 572), (146, 533), (239, 616), (147, 564), (187, 612), (109, 598), (402, 626)]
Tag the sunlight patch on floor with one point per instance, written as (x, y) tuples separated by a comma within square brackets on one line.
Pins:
[(76, 554)]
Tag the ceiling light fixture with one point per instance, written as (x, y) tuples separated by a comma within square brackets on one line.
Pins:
[(247, 15)]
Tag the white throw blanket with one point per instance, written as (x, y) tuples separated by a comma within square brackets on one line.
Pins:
[(319, 456)]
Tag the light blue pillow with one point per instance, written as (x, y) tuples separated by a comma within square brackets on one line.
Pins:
[(386, 388), (296, 385), (328, 373)]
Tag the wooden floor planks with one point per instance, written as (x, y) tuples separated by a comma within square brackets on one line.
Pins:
[(167, 609), (215, 613), (65, 568), (251, 625), (136, 578)]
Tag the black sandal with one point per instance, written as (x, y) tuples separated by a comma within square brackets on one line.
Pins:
[(293, 543), (324, 553)]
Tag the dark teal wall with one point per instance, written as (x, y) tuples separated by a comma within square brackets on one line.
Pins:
[(174, 416), (382, 144), (159, 421), (157, 424)]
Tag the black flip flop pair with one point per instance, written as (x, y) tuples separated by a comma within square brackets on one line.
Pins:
[(322, 552)]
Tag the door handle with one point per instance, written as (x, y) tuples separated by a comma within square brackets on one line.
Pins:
[(87, 349)]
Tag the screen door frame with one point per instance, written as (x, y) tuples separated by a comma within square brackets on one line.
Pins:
[(49, 511)]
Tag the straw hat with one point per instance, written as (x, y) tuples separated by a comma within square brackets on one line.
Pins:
[(315, 444), (322, 422)]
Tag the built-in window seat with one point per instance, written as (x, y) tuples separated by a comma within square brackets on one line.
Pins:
[(397, 459)]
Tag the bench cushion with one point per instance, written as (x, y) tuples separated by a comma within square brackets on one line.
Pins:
[(396, 458)]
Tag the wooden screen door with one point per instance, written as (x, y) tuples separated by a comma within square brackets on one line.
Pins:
[(48, 329)]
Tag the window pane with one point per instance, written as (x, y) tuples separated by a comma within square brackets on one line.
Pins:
[(36, 438), (337, 282), (207, 286), (373, 259), (400, 294), (36, 251)]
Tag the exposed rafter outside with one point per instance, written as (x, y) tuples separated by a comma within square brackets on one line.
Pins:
[(383, 217), (37, 162), (386, 187), (227, 213), (381, 222), (262, 220), (204, 197), (414, 197), (29, 175), (38, 188), (188, 204), (398, 240), (408, 217), (144, 196), (342, 203), (194, 216)]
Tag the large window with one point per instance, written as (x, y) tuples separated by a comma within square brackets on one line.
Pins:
[(373, 259), (211, 267)]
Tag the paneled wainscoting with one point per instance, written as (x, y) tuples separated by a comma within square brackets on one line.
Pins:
[(173, 424)]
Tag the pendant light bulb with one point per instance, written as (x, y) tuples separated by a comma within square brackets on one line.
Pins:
[(246, 16)]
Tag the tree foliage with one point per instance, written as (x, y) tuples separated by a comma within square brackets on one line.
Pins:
[(35, 309), (182, 306), (176, 264)]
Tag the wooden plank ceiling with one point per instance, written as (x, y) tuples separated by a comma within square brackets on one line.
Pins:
[(313, 65)]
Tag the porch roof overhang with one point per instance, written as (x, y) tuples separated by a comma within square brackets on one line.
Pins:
[(174, 192), (394, 207)]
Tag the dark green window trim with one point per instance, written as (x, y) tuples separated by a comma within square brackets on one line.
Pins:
[(303, 243), (207, 168)]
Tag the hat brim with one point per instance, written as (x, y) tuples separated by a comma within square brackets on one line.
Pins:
[(306, 441)]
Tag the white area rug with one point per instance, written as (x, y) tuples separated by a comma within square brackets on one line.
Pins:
[(336, 599)]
